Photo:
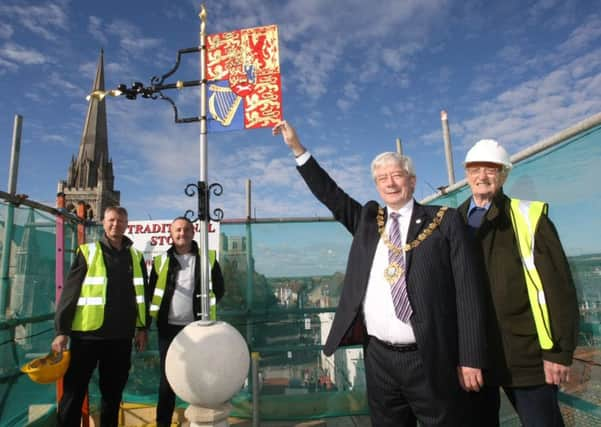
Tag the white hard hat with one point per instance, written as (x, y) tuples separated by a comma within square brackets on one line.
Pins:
[(488, 150)]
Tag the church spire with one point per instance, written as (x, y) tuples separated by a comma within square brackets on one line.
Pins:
[(93, 149)]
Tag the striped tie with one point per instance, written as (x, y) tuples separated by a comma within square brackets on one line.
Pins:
[(398, 289)]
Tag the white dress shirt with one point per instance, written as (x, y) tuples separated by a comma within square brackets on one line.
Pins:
[(380, 318)]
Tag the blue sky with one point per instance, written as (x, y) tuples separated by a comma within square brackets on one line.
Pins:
[(355, 76)]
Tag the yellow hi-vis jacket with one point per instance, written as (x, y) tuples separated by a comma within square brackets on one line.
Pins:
[(161, 267), (525, 215), (89, 314)]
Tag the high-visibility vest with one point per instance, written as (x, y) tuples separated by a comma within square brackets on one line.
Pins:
[(161, 267), (525, 215), (89, 314)]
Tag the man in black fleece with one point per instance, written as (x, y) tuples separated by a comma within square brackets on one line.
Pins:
[(103, 306)]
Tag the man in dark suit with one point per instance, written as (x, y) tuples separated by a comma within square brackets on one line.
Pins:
[(411, 295)]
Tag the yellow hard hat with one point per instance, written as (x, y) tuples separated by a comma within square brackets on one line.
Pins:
[(47, 369)]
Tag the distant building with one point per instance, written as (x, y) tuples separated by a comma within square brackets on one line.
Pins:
[(233, 250), (90, 177)]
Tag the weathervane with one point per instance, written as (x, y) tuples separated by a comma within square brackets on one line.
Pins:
[(240, 88), (155, 91)]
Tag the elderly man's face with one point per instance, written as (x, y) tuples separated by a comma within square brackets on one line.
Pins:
[(394, 185), (484, 179)]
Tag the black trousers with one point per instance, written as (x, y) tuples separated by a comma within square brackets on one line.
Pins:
[(537, 406), (399, 393), (166, 403), (113, 359)]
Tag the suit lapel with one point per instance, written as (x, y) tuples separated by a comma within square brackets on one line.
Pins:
[(419, 218), (372, 238)]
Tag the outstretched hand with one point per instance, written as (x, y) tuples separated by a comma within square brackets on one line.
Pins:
[(290, 137)]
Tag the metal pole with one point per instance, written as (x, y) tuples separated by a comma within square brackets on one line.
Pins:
[(446, 134), (255, 356), (14, 155), (249, 266), (59, 264), (10, 214), (81, 239), (204, 217), (248, 199), (399, 146)]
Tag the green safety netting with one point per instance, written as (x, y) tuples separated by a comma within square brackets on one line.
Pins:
[(283, 282)]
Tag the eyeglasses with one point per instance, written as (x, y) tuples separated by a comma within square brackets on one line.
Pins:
[(395, 176), (475, 170)]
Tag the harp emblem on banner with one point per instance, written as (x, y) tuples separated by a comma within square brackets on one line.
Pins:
[(223, 104)]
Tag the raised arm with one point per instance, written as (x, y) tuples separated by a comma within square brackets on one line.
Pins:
[(290, 137), (344, 208)]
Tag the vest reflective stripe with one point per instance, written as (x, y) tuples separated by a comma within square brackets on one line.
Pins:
[(95, 281), (138, 279), (89, 313), (524, 217), (161, 267), (90, 301)]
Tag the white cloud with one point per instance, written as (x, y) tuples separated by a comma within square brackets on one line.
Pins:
[(368, 70), (350, 96), (583, 36), (22, 55), (538, 107), (7, 66), (316, 37), (313, 65), (34, 96), (55, 139), (6, 30), (511, 54), (131, 38), (386, 110), (42, 19), (560, 90), (481, 84), (96, 30), (62, 85), (540, 7)]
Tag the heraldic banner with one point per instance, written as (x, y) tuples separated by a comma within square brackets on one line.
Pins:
[(243, 73)]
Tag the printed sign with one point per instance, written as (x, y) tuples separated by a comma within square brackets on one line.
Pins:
[(152, 237)]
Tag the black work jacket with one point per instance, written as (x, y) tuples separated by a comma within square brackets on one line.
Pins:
[(174, 268)]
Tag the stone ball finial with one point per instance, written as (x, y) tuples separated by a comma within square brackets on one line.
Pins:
[(207, 363)]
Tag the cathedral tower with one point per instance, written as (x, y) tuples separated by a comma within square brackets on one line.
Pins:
[(90, 177)]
